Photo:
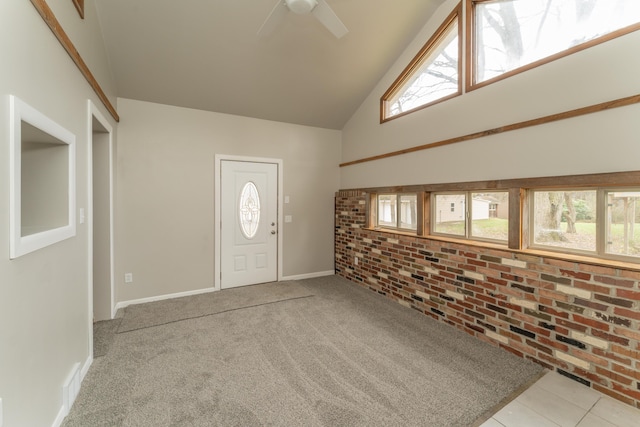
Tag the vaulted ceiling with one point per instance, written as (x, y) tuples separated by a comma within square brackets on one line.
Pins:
[(206, 54)]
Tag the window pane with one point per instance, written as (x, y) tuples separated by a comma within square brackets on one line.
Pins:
[(249, 210), (490, 215), (623, 223), (387, 210), (409, 211), (513, 33), (435, 78), (565, 219), (449, 212)]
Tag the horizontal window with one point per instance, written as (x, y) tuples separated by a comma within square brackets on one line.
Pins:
[(472, 215), (601, 222), (510, 34), (565, 219), (397, 211), (596, 216)]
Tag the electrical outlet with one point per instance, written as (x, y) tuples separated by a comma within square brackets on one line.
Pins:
[(128, 277)]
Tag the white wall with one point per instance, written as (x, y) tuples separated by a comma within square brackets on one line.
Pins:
[(600, 142), (44, 327), (165, 204)]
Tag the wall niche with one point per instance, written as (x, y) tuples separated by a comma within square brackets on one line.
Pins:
[(42, 180)]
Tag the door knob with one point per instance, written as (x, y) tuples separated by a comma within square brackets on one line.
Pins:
[(273, 231)]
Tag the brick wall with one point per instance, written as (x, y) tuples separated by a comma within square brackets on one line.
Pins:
[(580, 320)]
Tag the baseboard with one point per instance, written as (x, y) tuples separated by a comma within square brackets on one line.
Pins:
[(123, 304), (85, 368), (59, 418), (310, 275)]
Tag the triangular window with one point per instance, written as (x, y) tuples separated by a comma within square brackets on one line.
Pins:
[(432, 76)]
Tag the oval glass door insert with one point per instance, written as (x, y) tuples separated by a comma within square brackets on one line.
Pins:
[(249, 210)]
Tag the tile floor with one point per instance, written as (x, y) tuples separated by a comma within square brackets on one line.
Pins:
[(555, 400)]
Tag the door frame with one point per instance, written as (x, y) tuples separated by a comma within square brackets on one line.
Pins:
[(94, 112), (217, 254)]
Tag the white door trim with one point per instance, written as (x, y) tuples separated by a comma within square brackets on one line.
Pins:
[(93, 111), (217, 212)]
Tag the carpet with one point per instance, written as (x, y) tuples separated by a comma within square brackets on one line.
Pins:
[(157, 313), (338, 355), (103, 335)]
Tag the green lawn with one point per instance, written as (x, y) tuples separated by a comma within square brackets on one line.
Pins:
[(492, 228), (584, 239)]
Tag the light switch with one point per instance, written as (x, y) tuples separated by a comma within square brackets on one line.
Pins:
[(81, 215), (286, 199), (288, 218)]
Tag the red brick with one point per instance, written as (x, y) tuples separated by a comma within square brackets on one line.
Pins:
[(607, 271), (591, 376), (624, 293), (634, 394), (630, 314), (575, 274), (631, 373), (612, 356), (544, 268), (612, 375), (555, 344), (605, 290), (613, 394), (634, 354), (583, 355), (574, 326), (630, 274), (609, 337), (562, 264), (590, 322), (614, 282), (554, 295)]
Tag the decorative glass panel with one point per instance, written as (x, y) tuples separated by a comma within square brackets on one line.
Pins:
[(249, 210)]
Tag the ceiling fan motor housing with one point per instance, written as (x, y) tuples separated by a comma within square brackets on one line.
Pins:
[(301, 7)]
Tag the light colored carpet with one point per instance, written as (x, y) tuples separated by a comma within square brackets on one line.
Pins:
[(342, 356), (167, 311)]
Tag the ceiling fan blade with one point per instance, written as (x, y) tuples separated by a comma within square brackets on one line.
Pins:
[(329, 19), (274, 19)]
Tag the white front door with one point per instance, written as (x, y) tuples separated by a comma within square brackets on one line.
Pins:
[(249, 223)]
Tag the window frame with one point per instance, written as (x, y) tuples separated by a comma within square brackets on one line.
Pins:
[(519, 212), (531, 229), (601, 235), (471, 48), (467, 214), (376, 223), (455, 17)]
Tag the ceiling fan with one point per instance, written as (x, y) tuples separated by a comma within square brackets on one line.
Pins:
[(319, 8)]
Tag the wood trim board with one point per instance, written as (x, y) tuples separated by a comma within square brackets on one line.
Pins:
[(48, 16), (621, 102)]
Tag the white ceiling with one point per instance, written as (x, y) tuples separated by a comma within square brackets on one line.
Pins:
[(206, 54)]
